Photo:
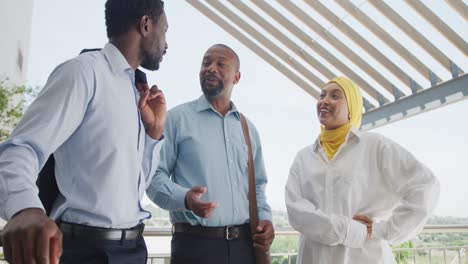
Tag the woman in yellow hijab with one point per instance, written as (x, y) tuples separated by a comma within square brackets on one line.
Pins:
[(337, 113), (353, 193)]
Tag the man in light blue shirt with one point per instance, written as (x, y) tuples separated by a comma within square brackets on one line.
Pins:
[(105, 136), (202, 177)]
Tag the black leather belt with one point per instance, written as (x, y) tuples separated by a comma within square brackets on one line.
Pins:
[(226, 232), (99, 233)]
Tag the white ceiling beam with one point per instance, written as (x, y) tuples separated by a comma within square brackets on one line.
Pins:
[(319, 49), (267, 43), (313, 91), (385, 37), (439, 24), (415, 35), (459, 7), (362, 42)]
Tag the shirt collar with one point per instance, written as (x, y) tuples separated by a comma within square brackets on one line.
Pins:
[(116, 60), (203, 104), (353, 133)]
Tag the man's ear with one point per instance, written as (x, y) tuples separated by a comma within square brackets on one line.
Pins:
[(144, 25), (237, 77)]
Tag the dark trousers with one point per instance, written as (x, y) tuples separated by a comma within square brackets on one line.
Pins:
[(85, 251), (193, 249)]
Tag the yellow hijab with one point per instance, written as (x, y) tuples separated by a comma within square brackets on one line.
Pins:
[(331, 140)]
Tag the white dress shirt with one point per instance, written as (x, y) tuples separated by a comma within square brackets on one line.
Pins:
[(87, 116), (369, 175)]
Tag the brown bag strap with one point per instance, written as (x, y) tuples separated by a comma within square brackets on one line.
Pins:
[(261, 257), (253, 210)]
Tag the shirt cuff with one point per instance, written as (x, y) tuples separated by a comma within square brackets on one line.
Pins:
[(356, 234), (152, 142), (264, 215), (179, 193), (379, 230), (18, 201)]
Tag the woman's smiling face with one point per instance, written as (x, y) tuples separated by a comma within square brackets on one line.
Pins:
[(332, 108)]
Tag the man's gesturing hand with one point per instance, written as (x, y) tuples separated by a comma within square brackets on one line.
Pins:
[(196, 205)]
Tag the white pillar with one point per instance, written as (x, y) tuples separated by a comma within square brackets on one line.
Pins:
[(15, 36)]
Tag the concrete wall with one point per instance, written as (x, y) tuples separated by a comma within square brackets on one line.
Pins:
[(15, 36)]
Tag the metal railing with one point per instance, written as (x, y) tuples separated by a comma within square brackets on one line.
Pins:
[(166, 231), (431, 255), (445, 255)]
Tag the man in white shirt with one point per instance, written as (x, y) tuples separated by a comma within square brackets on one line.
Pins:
[(105, 136)]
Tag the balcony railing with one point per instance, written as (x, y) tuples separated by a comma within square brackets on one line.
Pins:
[(431, 255), (445, 255)]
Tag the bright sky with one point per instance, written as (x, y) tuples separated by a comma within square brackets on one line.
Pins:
[(283, 113)]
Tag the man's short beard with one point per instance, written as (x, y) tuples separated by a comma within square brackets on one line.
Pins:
[(214, 91), (150, 61), (151, 64)]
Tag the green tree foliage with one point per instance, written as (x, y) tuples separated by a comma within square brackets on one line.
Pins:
[(12, 104), (402, 256)]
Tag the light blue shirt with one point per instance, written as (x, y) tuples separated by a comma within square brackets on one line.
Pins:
[(206, 149), (87, 116)]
